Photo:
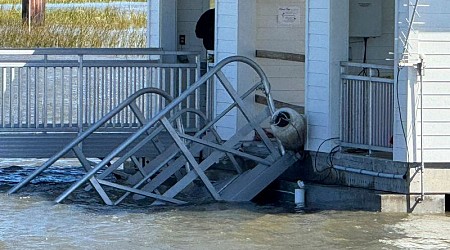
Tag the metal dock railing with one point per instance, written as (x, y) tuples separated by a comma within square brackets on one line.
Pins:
[(367, 106), (180, 159), (49, 95)]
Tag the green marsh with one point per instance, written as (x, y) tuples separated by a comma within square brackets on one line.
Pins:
[(80, 27)]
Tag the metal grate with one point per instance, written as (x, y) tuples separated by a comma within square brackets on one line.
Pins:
[(367, 111)]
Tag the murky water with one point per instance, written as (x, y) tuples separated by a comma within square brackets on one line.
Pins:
[(30, 220)]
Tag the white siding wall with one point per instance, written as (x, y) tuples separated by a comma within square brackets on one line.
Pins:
[(433, 41), (235, 35), (162, 24), (153, 30), (189, 11), (287, 78), (402, 113), (226, 45), (185, 15), (317, 72), (326, 46)]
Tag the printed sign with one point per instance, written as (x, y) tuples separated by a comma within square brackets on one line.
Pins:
[(289, 15)]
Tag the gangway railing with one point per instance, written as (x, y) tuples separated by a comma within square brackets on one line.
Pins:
[(55, 93), (45, 89), (367, 106), (180, 158)]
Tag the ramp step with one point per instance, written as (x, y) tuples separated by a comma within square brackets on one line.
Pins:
[(252, 182)]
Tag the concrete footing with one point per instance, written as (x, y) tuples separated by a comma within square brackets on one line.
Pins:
[(338, 189), (432, 203), (334, 197)]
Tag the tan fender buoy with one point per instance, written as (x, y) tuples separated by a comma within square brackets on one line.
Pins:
[(289, 127)]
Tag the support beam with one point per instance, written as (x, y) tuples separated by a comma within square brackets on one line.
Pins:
[(235, 35)]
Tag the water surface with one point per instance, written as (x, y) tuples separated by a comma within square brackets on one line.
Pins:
[(30, 220)]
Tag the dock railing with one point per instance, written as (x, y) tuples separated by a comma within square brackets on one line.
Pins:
[(66, 90), (367, 106)]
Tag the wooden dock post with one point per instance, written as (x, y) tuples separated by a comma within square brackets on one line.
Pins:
[(33, 12)]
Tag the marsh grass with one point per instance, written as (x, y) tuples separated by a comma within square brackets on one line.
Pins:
[(82, 27)]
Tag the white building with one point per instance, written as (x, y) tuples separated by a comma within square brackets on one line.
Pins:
[(360, 83), (398, 43), (242, 28)]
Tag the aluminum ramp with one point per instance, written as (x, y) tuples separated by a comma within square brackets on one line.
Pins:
[(186, 157)]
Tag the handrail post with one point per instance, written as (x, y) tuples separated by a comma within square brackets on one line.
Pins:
[(45, 100), (198, 94), (341, 106), (80, 95), (370, 111)]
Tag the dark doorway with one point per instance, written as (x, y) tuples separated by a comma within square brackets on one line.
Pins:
[(447, 202)]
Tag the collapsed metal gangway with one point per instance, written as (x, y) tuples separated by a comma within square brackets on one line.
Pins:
[(184, 157)]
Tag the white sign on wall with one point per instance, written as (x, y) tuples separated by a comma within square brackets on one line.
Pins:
[(289, 15)]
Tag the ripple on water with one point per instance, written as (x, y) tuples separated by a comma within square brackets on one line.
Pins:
[(422, 232), (54, 174), (31, 219)]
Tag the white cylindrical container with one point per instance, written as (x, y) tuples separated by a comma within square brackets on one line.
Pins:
[(300, 195)]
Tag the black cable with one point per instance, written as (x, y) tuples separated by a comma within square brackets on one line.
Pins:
[(332, 153), (401, 119), (365, 49), (400, 113), (398, 73), (328, 175), (317, 152), (363, 72), (330, 162)]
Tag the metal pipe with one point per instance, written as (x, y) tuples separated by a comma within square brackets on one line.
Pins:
[(28, 99), (341, 105), (39, 61), (422, 161), (36, 98), (10, 83), (160, 115), (85, 134), (80, 94), (369, 173), (370, 127)]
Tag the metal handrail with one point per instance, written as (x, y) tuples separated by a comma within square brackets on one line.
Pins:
[(129, 101), (93, 51), (67, 79), (147, 126), (366, 106)]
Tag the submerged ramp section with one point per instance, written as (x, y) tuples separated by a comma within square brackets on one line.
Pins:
[(185, 159)]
